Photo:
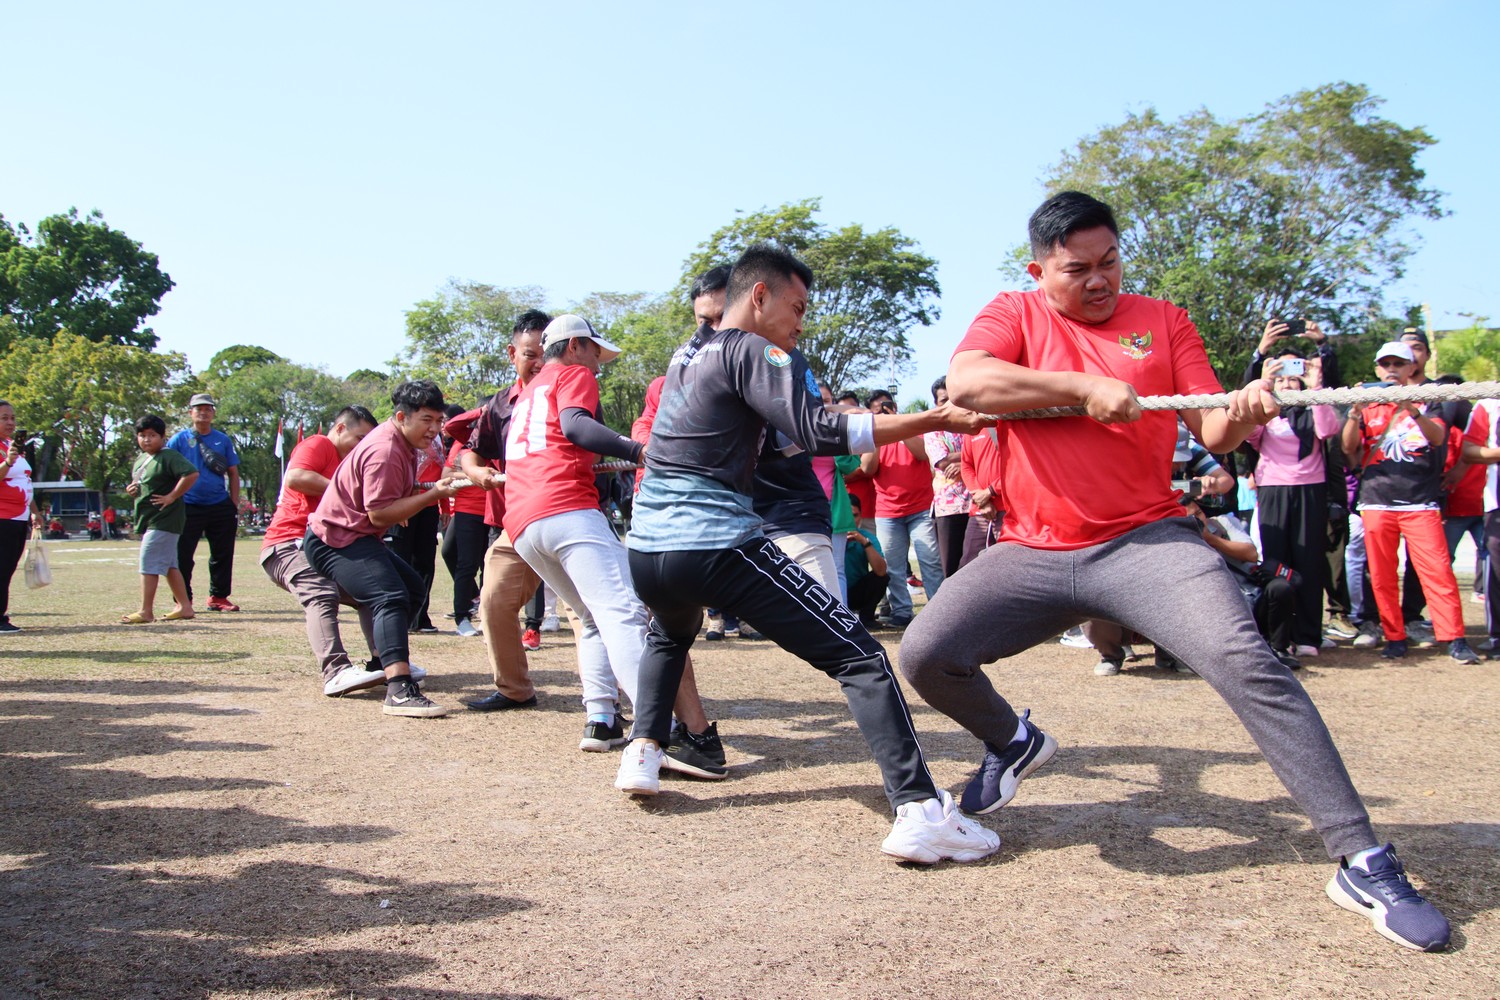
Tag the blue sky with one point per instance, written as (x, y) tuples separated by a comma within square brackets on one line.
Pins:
[(307, 172)]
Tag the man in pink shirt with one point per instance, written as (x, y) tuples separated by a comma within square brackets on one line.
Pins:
[(374, 488)]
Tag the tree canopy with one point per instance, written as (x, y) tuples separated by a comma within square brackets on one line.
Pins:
[(870, 288), (1301, 210), (458, 339), (78, 274)]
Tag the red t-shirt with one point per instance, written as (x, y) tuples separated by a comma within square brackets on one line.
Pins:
[(380, 470), (903, 483), (865, 490), (1071, 482), (1466, 499), (545, 473), (641, 429), (316, 454), (980, 465), (472, 499), (15, 489)]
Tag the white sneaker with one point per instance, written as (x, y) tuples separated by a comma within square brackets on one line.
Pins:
[(1074, 637), (466, 627), (1106, 668), (549, 624), (352, 678), (640, 769), (956, 837), (1369, 636), (1300, 651)]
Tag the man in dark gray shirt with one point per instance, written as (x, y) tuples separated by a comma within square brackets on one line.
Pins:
[(696, 540)]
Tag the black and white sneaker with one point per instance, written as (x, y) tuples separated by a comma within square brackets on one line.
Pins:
[(698, 754), (998, 777), (601, 737), (8, 627), (403, 697), (1383, 893)]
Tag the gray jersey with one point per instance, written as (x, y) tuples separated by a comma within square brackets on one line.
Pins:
[(722, 390)]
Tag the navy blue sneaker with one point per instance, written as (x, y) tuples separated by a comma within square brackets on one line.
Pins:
[(997, 779), (1460, 651), (1395, 649), (1385, 896)]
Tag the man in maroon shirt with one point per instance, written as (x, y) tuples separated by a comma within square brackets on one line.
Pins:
[(311, 467), (372, 489)]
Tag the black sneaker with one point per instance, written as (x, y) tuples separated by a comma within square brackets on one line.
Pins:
[(1460, 651), (9, 627), (997, 779), (601, 737), (1287, 659), (1383, 894), (700, 755), (1395, 649), (403, 697)]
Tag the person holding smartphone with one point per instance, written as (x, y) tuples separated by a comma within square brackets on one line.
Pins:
[(1277, 335)]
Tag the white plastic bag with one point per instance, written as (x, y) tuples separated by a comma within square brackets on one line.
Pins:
[(38, 573)]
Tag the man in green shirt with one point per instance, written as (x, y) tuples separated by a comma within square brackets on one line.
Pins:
[(158, 480)]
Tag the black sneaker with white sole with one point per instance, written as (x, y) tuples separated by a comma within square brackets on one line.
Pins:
[(601, 737), (1383, 893), (7, 627), (998, 777), (403, 697), (700, 755)]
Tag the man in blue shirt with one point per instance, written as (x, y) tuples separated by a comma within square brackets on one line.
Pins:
[(213, 502)]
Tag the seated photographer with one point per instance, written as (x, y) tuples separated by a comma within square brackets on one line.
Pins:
[(1267, 588), (1190, 460), (1291, 489), (865, 569)]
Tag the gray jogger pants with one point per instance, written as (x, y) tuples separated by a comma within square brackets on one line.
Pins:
[(1163, 581)]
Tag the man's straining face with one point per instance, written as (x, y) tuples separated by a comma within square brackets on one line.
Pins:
[(1081, 279), (709, 308)]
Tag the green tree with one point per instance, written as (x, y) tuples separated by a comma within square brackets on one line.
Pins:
[(1300, 210), (647, 330), (79, 274), (458, 339), (82, 397), (1473, 352), (870, 288)]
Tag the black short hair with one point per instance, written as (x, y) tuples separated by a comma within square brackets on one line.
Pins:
[(1064, 214), (854, 500), (941, 383), (420, 394), (846, 395), (1449, 380), (765, 262), (151, 422), (555, 350), (530, 321), (877, 394), (710, 281), (354, 414)]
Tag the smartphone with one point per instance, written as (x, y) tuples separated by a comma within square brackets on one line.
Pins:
[(1293, 367), (1374, 385), (1294, 327)]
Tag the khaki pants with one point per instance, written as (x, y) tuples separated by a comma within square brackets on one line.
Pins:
[(508, 585), (320, 598)]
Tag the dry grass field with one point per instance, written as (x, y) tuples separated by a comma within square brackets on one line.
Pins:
[(187, 816)]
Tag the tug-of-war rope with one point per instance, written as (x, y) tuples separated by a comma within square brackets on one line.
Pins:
[(1428, 392)]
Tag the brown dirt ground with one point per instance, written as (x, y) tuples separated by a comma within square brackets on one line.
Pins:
[(187, 816)]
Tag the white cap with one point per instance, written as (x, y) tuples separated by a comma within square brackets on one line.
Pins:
[(568, 326), (1396, 349)]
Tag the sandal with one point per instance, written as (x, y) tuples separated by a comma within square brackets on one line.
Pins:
[(135, 618), (177, 616)]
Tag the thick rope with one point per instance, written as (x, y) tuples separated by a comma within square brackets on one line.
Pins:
[(1428, 392), (461, 482)]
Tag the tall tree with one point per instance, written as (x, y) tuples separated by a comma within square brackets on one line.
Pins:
[(1300, 210), (647, 330), (458, 338), (870, 288), (81, 398), (79, 274)]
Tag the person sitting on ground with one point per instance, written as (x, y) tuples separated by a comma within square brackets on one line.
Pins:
[(1272, 596), (311, 466), (374, 488), (158, 480), (56, 529), (1401, 448)]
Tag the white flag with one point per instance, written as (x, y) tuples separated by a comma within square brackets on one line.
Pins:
[(280, 447)]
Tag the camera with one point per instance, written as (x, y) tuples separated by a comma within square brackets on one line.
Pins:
[(1294, 327), (1191, 489), (1293, 368)]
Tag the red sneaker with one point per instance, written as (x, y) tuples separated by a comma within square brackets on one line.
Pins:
[(531, 639), (222, 604)]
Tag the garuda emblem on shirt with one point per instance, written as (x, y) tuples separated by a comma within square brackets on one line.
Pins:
[(1137, 346)]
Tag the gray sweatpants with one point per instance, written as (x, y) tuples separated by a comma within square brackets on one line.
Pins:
[(1166, 583)]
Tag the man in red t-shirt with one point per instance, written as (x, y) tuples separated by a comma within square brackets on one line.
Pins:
[(374, 487), (1093, 529), (308, 471), (903, 517)]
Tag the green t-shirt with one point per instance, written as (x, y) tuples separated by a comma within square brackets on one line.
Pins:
[(158, 475), (839, 507)]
